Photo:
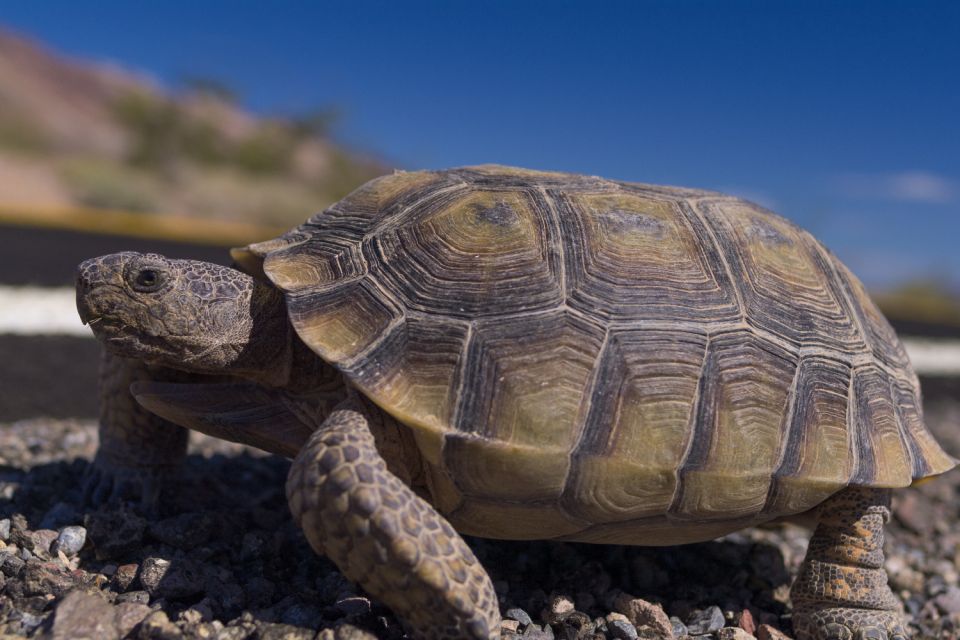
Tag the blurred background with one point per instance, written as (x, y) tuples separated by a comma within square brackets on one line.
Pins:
[(185, 128)]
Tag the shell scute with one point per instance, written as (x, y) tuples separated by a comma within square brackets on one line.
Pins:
[(786, 284), (473, 254), (633, 257)]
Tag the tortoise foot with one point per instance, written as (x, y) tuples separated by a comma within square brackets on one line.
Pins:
[(845, 623), (105, 483)]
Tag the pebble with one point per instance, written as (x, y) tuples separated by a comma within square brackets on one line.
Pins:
[(83, 615), (70, 541), (115, 533), (519, 615), (137, 597), (622, 630), (949, 601), (176, 580), (127, 615), (641, 613), (734, 633), (679, 629), (42, 540), (558, 608), (704, 621), (509, 626), (124, 575), (5, 529), (766, 632), (745, 621), (157, 626)]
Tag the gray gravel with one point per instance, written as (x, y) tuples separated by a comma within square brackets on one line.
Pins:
[(223, 560)]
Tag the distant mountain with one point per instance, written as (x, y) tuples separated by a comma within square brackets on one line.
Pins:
[(76, 133)]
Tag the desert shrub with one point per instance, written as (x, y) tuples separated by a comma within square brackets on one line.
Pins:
[(106, 185)]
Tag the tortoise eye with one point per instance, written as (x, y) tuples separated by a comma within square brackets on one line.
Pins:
[(148, 280)]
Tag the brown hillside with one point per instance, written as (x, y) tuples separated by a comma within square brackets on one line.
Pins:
[(82, 134)]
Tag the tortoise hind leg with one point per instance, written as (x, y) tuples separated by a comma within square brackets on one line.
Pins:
[(384, 537), (841, 592)]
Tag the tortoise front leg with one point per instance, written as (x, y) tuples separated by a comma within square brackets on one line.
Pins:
[(138, 450), (841, 592), (384, 537)]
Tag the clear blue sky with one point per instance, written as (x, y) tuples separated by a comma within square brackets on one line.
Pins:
[(840, 115)]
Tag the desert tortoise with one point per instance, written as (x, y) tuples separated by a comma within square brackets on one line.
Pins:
[(522, 355)]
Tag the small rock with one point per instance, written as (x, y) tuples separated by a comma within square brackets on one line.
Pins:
[(622, 630), (509, 626), (535, 632), (558, 608), (5, 529), (766, 632), (200, 612), (902, 576), (139, 597), (350, 632), (30, 622), (70, 541), (734, 633), (152, 572), (915, 512), (745, 621), (642, 613), (11, 564), (157, 626), (274, 631), (176, 580), (124, 575), (83, 616), (128, 615), (948, 602), (115, 533), (703, 621), (519, 615), (47, 578), (42, 539)]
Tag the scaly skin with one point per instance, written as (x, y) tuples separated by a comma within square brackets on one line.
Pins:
[(138, 449), (384, 537), (841, 592)]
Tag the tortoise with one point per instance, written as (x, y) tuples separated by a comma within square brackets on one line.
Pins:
[(519, 354)]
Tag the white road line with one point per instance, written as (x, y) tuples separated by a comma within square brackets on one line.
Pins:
[(34, 311)]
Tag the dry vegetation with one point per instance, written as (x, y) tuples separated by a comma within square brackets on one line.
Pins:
[(80, 134)]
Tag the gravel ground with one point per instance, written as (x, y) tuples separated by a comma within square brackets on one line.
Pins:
[(223, 560)]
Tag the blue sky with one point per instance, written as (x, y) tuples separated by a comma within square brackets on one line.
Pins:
[(843, 116)]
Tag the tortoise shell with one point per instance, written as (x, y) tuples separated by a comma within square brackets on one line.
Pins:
[(604, 361)]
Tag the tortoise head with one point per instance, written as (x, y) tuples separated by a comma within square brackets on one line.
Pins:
[(185, 314)]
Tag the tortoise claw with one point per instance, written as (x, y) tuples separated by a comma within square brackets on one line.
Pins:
[(104, 484)]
